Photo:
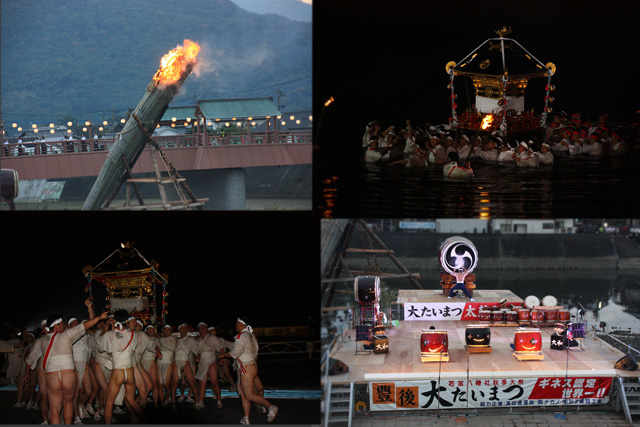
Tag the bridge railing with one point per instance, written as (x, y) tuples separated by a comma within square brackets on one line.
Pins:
[(177, 141), (290, 347)]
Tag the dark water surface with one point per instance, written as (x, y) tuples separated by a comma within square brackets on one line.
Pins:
[(581, 186)]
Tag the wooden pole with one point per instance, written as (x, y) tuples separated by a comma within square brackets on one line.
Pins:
[(132, 140)]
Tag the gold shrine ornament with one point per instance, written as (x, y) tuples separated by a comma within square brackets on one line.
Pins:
[(449, 66), (485, 64), (551, 66)]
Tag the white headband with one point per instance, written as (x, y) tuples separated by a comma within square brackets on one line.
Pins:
[(55, 322), (166, 326), (71, 320), (139, 322), (202, 323), (183, 324), (131, 318), (211, 327), (241, 321), (149, 326)]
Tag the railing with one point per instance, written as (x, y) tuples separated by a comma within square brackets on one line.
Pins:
[(622, 343), (178, 141), (290, 347)]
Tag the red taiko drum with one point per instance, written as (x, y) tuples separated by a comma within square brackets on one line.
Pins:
[(434, 342), (484, 316), (564, 315), (512, 316), (537, 316), (497, 316), (528, 340), (524, 315), (550, 315)]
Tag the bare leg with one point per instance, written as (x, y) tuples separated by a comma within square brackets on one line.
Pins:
[(174, 383), (248, 386), (153, 374), (141, 385), (54, 394), (116, 380), (102, 384), (69, 384), (225, 374), (95, 388), (246, 404), (86, 389), (213, 377), (188, 374), (137, 411), (44, 394)]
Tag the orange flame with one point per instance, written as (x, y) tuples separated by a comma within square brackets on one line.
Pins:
[(174, 63), (486, 122)]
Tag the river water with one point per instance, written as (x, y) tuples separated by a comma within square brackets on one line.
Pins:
[(573, 187)]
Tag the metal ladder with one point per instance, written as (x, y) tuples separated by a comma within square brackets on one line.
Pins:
[(338, 404), (628, 397)]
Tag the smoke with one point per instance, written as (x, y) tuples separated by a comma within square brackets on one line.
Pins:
[(206, 62)]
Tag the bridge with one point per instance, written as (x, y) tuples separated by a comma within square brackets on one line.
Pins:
[(216, 166), (81, 158)]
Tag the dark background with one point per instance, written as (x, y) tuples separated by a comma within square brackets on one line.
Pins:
[(265, 264), (385, 60)]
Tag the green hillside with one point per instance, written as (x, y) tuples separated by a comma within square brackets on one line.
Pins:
[(82, 57)]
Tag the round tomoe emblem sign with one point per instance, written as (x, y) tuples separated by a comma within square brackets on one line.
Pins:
[(457, 253)]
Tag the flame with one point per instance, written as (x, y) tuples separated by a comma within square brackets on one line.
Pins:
[(174, 63), (486, 122)]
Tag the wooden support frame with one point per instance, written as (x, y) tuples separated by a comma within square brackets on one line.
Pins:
[(522, 357), (474, 350), (174, 178)]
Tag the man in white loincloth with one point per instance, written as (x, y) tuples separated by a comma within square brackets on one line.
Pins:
[(59, 366), (245, 352), (120, 342)]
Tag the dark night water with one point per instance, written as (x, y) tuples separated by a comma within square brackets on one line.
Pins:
[(581, 186)]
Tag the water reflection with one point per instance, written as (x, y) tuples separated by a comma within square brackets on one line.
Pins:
[(584, 186)]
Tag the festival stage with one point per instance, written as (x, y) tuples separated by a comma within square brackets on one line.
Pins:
[(582, 375)]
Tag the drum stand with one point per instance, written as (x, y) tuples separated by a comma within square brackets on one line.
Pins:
[(434, 357), (522, 357), (470, 349)]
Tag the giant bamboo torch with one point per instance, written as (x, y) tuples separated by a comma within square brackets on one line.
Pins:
[(174, 69)]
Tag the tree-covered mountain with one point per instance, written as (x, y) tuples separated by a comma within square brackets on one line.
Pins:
[(292, 9), (83, 56)]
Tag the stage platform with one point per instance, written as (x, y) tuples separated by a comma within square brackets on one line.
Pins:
[(425, 296), (402, 362), (398, 377)]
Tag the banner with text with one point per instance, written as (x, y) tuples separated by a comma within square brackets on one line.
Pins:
[(467, 311), (482, 393)]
